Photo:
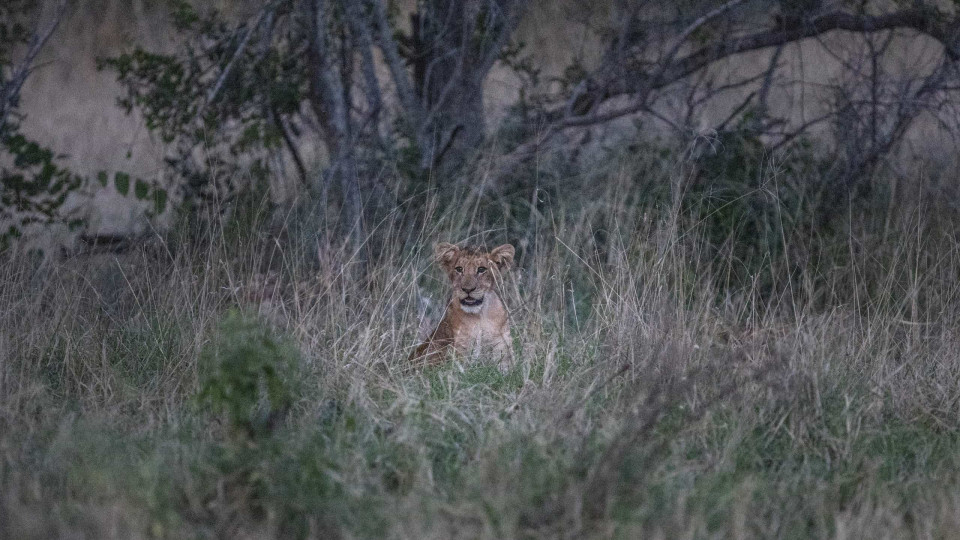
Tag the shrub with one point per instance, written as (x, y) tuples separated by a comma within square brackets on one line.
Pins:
[(247, 374)]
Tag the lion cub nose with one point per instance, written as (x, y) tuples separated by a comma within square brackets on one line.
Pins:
[(468, 291)]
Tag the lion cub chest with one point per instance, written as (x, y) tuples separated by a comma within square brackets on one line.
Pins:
[(478, 335)]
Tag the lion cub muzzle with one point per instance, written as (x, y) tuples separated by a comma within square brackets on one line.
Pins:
[(470, 298)]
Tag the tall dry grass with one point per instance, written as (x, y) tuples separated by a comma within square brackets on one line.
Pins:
[(654, 397)]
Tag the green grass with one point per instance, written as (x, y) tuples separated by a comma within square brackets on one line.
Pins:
[(233, 390)]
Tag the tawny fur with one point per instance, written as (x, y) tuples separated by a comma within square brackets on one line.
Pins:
[(475, 321)]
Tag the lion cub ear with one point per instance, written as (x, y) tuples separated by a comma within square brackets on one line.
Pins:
[(503, 256), (445, 253)]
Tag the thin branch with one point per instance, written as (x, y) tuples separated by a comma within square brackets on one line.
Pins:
[(291, 145), (391, 55), (799, 130), (906, 114), (328, 88), (511, 18), (10, 91), (688, 31), (736, 111), (768, 81), (728, 87), (639, 85), (362, 30), (923, 20), (237, 53)]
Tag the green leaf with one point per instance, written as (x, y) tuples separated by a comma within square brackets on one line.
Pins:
[(141, 189), (102, 178), (122, 182), (160, 200)]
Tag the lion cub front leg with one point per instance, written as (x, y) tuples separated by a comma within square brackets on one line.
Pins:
[(504, 349)]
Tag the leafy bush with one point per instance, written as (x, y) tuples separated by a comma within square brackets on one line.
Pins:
[(236, 119), (247, 374), (34, 185), (34, 189)]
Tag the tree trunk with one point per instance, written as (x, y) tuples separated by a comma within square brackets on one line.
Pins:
[(330, 98), (455, 43)]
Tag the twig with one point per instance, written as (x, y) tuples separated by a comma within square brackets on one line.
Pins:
[(372, 84), (291, 145), (10, 92), (671, 70), (215, 91), (391, 56), (736, 111), (688, 31)]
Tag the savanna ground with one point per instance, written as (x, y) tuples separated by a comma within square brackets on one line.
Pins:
[(692, 365)]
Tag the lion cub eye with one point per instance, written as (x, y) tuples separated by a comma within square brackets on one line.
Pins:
[(481, 269), (459, 269)]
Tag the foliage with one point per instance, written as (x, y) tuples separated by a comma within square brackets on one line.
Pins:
[(14, 31), (247, 374), (35, 188), (33, 191), (752, 204), (146, 191), (217, 95), (34, 185), (235, 98)]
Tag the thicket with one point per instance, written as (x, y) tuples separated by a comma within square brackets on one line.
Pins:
[(394, 101)]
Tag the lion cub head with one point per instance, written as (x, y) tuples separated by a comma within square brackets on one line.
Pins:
[(474, 272)]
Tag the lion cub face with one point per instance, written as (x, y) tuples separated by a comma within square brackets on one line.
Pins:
[(474, 273)]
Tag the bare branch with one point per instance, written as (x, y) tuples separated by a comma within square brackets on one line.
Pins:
[(688, 31), (291, 145), (327, 88), (372, 85), (237, 53), (906, 114), (768, 81), (736, 111), (925, 21), (10, 90), (399, 73), (628, 82), (637, 85), (510, 14), (787, 136)]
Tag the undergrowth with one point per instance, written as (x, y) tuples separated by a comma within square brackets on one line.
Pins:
[(673, 381)]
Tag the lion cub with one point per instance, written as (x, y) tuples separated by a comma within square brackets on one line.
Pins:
[(475, 320)]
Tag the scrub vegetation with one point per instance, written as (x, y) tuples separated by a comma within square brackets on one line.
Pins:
[(745, 328)]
